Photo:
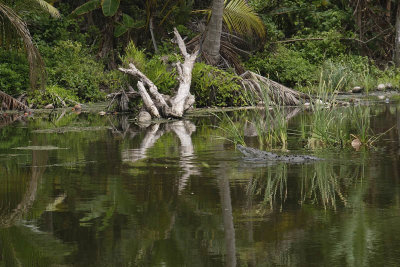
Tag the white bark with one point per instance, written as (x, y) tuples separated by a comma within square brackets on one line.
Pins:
[(148, 102), (182, 100), (159, 101), (185, 78)]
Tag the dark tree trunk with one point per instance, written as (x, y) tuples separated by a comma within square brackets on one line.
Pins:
[(107, 47), (397, 40)]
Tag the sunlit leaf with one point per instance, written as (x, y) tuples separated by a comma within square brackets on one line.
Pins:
[(87, 7), (120, 30), (127, 21), (110, 7)]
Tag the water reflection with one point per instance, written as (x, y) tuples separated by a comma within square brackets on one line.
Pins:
[(183, 130), (174, 195)]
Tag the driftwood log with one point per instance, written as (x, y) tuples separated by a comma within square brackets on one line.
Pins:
[(162, 106)]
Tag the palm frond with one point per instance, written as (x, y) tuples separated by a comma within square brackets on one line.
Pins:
[(49, 8), (241, 18), (36, 64), (10, 103)]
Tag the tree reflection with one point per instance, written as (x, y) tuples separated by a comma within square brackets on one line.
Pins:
[(183, 130), (20, 243), (226, 206)]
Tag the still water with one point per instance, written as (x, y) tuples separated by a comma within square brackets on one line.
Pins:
[(86, 190)]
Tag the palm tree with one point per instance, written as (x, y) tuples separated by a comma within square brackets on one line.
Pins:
[(397, 39), (238, 17), (13, 22), (212, 40)]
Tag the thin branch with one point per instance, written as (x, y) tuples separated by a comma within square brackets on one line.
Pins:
[(181, 43)]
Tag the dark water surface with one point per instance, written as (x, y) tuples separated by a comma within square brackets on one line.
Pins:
[(85, 190)]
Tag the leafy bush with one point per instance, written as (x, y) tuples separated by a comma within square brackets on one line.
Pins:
[(70, 65), (283, 65), (14, 72), (214, 87), (52, 95)]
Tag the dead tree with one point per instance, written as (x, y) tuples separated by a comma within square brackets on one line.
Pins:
[(163, 106)]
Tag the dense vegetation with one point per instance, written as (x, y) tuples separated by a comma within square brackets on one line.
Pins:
[(338, 43)]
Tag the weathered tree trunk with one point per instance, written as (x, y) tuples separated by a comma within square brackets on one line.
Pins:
[(212, 40), (159, 105), (397, 40)]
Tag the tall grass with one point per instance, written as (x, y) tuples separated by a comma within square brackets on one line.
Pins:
[(270, 123), (232, 131)]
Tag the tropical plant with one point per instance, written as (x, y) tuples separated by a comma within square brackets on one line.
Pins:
[(13, 23), (12, 30), (109, 7), (238, 17)]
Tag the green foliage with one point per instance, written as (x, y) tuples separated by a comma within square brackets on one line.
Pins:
[(87, 7), (214, 87), (348, 71), (14, 72), (70, 65), (284, 65), (48, 30), (52, 95), (158, 68), (109, 7)]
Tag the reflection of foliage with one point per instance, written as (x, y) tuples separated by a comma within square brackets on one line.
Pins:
[(319, 183), (21, 246), (272, 186)]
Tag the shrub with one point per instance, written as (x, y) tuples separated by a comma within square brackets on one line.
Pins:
[(14, 72), (52, 95), (283, 65), (214, 87), (70, 65)]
